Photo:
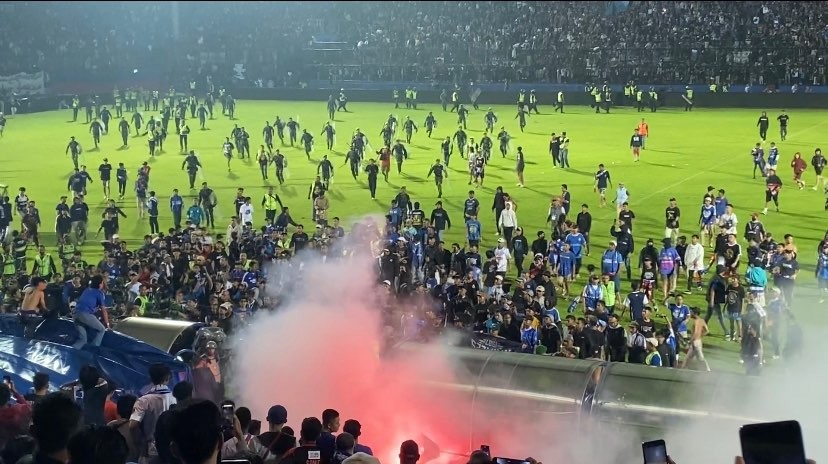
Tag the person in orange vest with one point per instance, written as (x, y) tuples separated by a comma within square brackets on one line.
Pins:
[(644, 132)]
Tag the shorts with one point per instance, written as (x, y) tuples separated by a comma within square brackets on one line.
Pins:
[(669, 231), (636, 150), (797, 176), (770, 195), (667, 275), (734, 316), (602, 191), (818, 171), (772, 166)]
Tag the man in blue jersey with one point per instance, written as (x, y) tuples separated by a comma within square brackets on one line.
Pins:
[(576, 243), (90, 301), (473, 230), (679, 313), (611, 262)]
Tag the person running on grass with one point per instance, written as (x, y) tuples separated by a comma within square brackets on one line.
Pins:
[(602, 182), (818, 162), (799, 166), (773, 186)]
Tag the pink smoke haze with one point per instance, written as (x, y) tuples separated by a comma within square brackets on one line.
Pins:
[(322, 351)]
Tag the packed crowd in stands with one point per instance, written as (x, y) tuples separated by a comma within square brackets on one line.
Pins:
[(444, 42)]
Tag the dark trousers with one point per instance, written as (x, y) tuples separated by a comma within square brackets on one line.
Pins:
[(372, 186), (354, 169), (176, 218), (717, 310), (519, 257), (192, 177), (210, 217), (507, 235), (497, 219), (153, 222), (617, 353), (121, 188), (270, 214), (280, 175)]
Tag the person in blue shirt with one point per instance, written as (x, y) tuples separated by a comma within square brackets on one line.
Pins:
[(707, 219), (528, 336), (679, 312), (395, 214), (473, 230), (91, 301), (566, 267), (668, 266), (592, 294), (576, 243), (177, 207), (720, 202), (195, 213), (773, 156), (611, 262)]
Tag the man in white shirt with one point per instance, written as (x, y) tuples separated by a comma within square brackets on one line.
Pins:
[(502, 256), (694, 261), (246, 212), (508, 222), (233, 227), (728, 220), (146, 411)]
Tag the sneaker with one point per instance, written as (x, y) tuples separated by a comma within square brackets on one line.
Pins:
[(688, 292), (741, 361), (765, 211), (776, 356), (727, 337)]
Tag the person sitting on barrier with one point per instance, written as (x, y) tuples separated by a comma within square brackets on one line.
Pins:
[(90, 301)]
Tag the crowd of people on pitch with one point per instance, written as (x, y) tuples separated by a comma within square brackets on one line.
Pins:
[(194, 272), (647, 41)]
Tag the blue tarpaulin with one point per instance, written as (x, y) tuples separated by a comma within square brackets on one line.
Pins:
[(121, 359)]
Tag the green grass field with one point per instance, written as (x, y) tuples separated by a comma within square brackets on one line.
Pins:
[(685, 153)]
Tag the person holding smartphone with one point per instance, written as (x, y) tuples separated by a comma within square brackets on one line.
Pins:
[(14, 418)]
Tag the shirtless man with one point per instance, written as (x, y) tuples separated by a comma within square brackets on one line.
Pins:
[(34, 299), (699, 331)]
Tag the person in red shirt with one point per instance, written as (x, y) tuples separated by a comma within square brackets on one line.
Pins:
[(14, 418), (385, 161), (798, 164)]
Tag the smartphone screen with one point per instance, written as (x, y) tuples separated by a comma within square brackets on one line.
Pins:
[(510, 461), (655, 452), (772, 443), (227, 412)]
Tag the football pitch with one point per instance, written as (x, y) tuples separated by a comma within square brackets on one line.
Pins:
[(686, 152)]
